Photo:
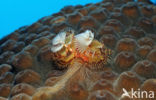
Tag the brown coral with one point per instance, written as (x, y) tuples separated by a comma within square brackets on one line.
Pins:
[(143, 50), (109, 40), (41, 42), (7, 78), (8, 45), (22, 88), (130, 10), (125, 60), (101, 95), (127, 80), (77, 92), (145, 68), (136, 32), (127, 27), (50, 81), (74, 18), (4, 68), (5, 90), (126, 44), (87, 22), (147, 11), (115, 24), (31, 49), (1, 98), (99, 15), (45, 53), (146, 41), (152, 55), (146, 24), (103, 85), (22, 60), (21, 96), (27, 76), (149, 85)]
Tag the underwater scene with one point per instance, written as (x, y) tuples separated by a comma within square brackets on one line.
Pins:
[(97, 51)]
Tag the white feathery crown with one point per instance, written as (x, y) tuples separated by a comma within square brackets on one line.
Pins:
[(58, 42), (83, 40)]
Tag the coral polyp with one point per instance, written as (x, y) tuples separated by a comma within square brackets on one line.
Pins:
[(82, 46)]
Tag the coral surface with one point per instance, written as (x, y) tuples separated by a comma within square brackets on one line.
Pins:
[(51, 60)]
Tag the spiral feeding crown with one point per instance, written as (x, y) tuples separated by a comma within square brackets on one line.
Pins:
[(66, 47)]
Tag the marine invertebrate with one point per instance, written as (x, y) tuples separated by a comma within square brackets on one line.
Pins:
[(143, 51), (119, 16), (50, 81), (104, 30), (43, 29), (4, 68), (136, 32), (58, 19), (7, 78), (1, 98), (62, 48), (108, 75), (127, 80), (74, 18), (58, 42), (31, 49), (103, 85), (30, 38), (22, 60), (59, 26), (147, 11), (145, 68), (115, 24), (126, 44), (99, 14), (146, 24), (146, 41), (5, 90), (44, 93), (34, 27), (8, 45), (83, 40), (21, 96), (82, 46), (149, 85), (109, 40), (83, 11), (23, 88), (87, 21), (41, 42), (18, 46), (130, 10), (6, 56), (101, 95), (27, 76), (151, 55), (76, 51), (44, 54), (77, 91), (124, 60), (121, 19)]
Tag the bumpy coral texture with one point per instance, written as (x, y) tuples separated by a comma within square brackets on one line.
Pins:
[(29, 69)]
